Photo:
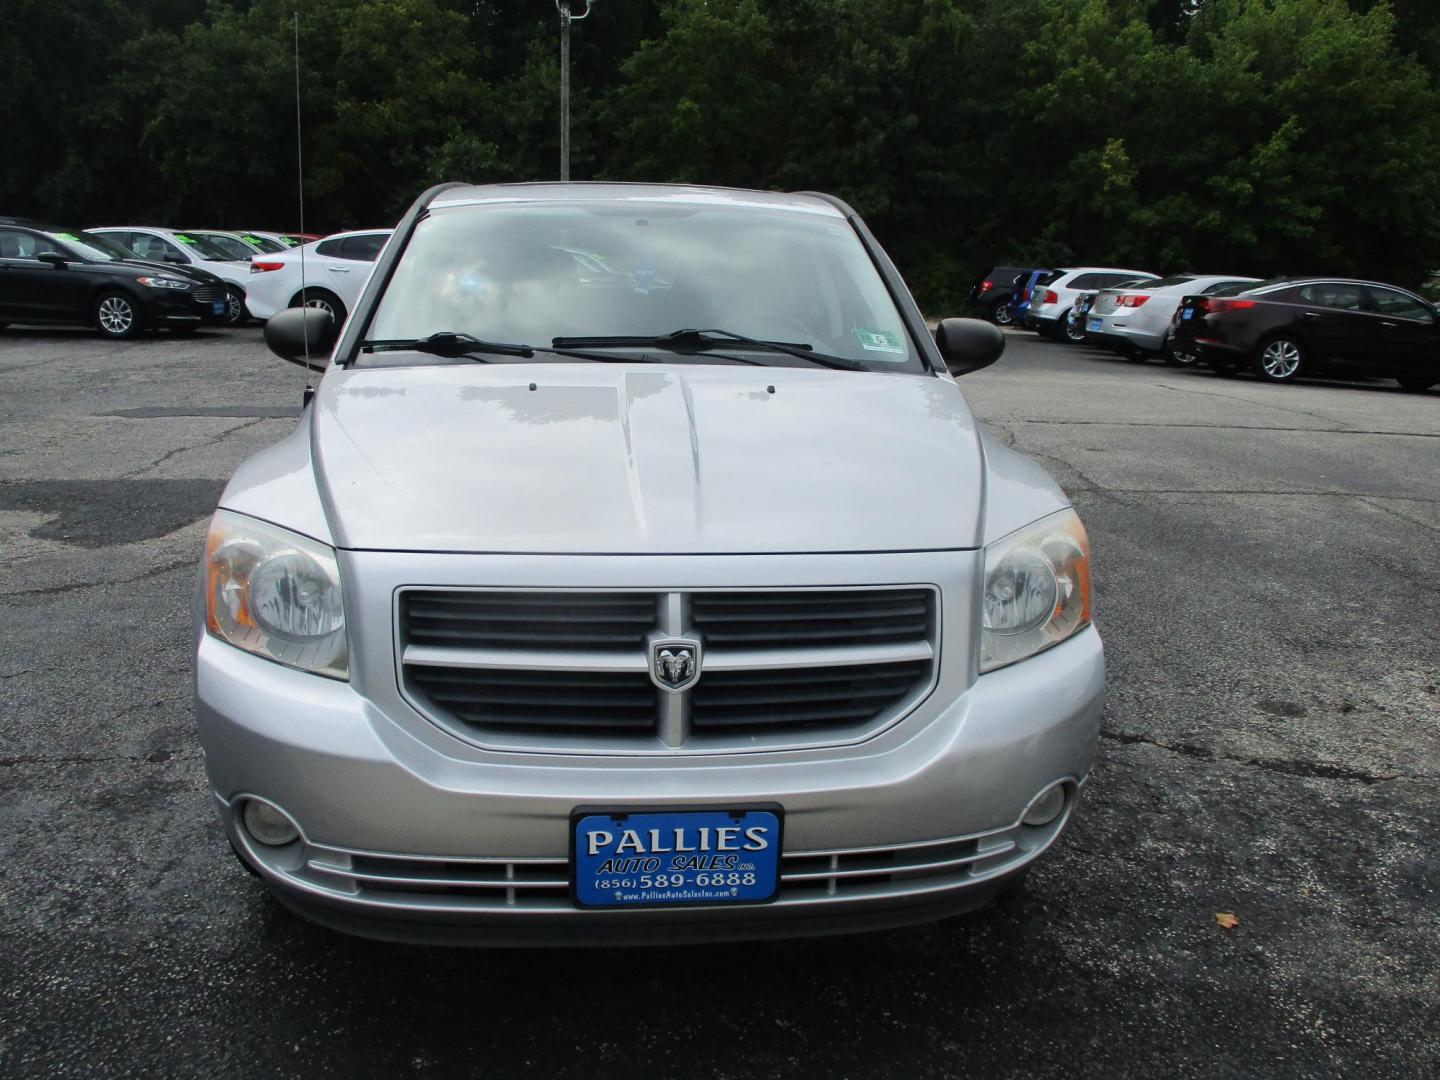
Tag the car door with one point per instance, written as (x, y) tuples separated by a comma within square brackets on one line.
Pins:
[(19, 284), (1409, 336), (1336, 322), (33, 289), (350, 263)]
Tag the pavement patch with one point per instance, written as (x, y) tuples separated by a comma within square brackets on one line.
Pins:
[(104, 513)]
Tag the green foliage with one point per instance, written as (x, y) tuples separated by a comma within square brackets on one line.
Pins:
[(1268, 136)]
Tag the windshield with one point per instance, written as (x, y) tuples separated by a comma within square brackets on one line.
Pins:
[(529, 273), (262, 244), (233, 248), (92, 247), (207, 249)]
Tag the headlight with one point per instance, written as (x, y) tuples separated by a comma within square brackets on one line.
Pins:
[(275, 593), (163, 283), (1037, 589)]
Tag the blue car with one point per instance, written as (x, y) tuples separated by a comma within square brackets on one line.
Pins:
[(1020, 301)]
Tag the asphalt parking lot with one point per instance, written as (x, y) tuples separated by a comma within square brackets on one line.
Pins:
[(1268, 573)]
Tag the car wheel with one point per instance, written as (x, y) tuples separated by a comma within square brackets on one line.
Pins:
[(1416, 384), (116, 315), (1179, 355), (1073, 331), (1279, 359), (1001, 315), (235, 312), (325, 301)]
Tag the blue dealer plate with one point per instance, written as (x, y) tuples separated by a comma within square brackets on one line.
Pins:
[(1096, 324), (1187, 313), (218, 307), (668, 858)]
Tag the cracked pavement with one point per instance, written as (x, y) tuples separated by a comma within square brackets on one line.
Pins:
[(1268, 581)]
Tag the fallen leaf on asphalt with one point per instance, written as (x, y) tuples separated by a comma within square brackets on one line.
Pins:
[(1227, 919)]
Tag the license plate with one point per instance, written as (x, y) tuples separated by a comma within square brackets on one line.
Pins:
[(664, 858), (1096, 324), (218, 307), (1187, 313)]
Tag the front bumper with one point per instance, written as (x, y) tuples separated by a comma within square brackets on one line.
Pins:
[(432, 840), (175, 308)]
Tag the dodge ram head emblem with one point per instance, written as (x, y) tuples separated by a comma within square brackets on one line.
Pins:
[(675, 664)]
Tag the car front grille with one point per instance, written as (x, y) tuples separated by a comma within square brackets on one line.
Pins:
[(572, 671), (540, 885), (528, 620), (208, 294), (797, 698)]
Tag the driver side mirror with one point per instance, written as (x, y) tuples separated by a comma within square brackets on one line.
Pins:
[(52, 258), (291, 332), (176, 257), (968, 344)]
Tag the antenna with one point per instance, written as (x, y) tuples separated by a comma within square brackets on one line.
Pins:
[(300, 175)]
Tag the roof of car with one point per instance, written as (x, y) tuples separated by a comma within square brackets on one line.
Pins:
[(604, 192), (30, 223)]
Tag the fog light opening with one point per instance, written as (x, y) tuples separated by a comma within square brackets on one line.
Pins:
[(1046, 807), (268, 824)]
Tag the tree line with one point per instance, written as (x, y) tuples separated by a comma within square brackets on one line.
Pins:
[(1247, 136)]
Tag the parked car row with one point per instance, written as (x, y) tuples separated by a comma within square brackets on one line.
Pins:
[(1282, 329), (125, 279)]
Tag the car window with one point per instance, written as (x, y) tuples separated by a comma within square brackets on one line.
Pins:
[(263, 244), (150, 248), (1159, 283), (1217, 286), (1333, 294), (531, 272), (89, 246), (203, 248), (15, 244), (328, 247), (233, 249), (1398, 304), (1097, 280), (362, 248)]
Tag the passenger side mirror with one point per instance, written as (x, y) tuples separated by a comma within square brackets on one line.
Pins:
[(53, 258), (290, 332), (176, 257), (968, 344)]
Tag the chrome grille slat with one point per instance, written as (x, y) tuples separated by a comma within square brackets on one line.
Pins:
[(562, 671), (537, 884)]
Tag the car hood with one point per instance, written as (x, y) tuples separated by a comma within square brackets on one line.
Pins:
[(188, 273), (637, 459)]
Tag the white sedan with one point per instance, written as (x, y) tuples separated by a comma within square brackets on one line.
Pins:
[(1136, 319), (181, 248), (326, 274)]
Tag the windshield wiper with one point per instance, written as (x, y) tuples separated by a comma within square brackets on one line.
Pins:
[(700, 340), (469, 347), (448, 343)]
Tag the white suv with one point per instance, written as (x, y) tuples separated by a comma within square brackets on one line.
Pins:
[(335, 270), (186, 249), (1053, 299)]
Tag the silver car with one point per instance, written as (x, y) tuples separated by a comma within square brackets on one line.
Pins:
[(685, 601)]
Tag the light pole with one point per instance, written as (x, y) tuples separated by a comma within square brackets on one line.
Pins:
[(566, 18)]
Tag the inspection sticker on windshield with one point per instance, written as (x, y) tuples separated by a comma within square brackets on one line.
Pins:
[(872, 340), (672, 858)]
